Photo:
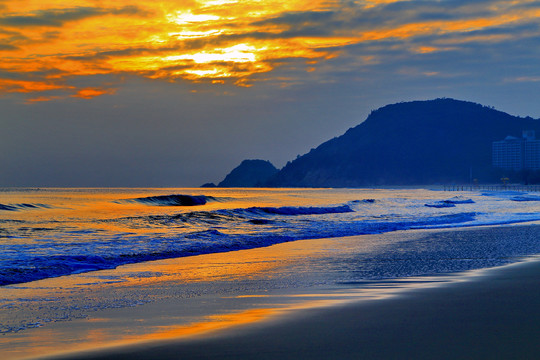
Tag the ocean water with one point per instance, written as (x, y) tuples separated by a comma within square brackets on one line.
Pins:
[(48, 233)]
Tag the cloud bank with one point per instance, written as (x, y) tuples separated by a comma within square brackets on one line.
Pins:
[(46, 45)]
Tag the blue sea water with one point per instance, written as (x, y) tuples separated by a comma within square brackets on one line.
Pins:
[(53, 232)]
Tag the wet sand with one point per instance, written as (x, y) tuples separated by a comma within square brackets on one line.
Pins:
[(488, 314)]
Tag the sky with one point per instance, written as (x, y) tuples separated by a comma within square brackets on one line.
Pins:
[(178, 93)]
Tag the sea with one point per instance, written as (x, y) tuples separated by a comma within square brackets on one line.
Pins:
[(52, 232)]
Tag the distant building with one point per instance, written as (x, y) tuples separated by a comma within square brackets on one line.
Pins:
[(532, 155), (517, 154)]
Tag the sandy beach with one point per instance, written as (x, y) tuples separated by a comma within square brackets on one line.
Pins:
[(480, 314), (492, 315)]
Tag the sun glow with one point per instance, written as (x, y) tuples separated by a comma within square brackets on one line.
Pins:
[(188, 17), (46, 45), (237, 53), (219, 2), (193, 34)]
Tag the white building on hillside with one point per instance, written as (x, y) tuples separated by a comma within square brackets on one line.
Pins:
[(514, 153)]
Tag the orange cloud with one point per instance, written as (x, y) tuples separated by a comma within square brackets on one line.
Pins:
[(89, 93), (43, 99), (25, 86), (48, 43)]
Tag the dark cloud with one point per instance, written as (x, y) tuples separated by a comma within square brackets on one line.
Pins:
[(126, 52), (353, 17), (298, 18), (527, 6), (30, 75), (57, 18), (7, 47), (13, 40)]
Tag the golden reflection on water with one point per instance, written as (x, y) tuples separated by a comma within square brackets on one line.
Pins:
[(111, 333), (154, 320), (211, 323), (115, 211), (114, 331), (173, 318), (258, 263)]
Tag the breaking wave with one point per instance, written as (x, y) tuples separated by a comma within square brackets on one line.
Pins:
[(221, 231), (291, 210), (133, 237), (17, 207), (172, 200), (526, 198)]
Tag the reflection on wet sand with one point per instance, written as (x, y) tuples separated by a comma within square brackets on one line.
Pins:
[(191, 296)]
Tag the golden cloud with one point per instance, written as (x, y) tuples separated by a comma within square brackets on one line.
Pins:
[(45, 44)]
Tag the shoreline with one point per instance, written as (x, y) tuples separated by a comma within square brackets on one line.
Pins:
[(492, 314), (222, 298)]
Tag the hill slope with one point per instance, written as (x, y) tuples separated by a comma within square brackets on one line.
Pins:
[(420, 142), (249, 173)]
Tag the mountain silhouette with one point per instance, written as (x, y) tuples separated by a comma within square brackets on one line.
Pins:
[(250, 173), (411, 143)]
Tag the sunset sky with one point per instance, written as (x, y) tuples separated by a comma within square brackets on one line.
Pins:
[(177, 93)]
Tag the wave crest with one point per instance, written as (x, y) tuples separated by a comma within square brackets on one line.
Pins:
[(293, 210), (173, 200), (17, 207)]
